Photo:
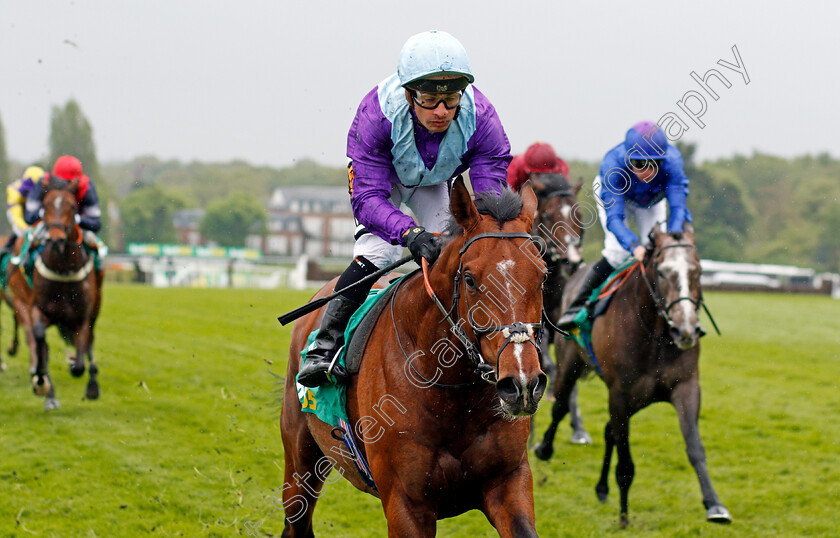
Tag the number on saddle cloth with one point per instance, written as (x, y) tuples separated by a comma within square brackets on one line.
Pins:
[(329, 401)]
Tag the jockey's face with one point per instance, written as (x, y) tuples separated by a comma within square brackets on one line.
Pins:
[(436, 120)]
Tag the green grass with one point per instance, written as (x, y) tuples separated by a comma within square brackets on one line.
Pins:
[(185, 440)]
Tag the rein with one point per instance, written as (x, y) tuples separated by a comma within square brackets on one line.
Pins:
[(518, 332)]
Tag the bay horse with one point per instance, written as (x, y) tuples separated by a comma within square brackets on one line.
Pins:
[(647, 344), (451, 441), (559, 225), (17, 293), (67, 291)]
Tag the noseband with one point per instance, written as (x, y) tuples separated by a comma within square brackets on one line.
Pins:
[(516, 332)]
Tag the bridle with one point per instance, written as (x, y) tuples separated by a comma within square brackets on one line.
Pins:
[(518, 332), (68, 229), (552, 254), (663, 308)]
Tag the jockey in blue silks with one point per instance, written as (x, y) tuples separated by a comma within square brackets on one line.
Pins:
[(412, 133), (643, 175)]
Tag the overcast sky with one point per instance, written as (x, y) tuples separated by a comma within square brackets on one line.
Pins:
[(274, 81)]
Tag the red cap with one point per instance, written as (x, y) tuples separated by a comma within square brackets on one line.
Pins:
[(67, 167), (540, 158)]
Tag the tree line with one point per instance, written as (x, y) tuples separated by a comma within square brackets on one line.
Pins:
[(758, 208)]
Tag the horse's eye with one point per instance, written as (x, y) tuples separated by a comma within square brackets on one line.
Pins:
[(469, 281), (660, 274)]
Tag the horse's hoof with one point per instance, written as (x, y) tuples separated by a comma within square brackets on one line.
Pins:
[(602, 494), (624, 522), (580, 437), (544, 452), (718, 514), (41, 389), (92, 392), (77, 372), (2, 366), (51, 403)]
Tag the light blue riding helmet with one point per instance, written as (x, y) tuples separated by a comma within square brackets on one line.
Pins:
[(434, 53)]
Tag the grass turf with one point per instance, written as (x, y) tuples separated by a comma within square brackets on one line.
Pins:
[(185, 440)]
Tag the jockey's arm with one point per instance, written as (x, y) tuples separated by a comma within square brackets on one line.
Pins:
[(369, 147), (676, 191), (32, 208), (89, 212), (14, 206), (613, 185)]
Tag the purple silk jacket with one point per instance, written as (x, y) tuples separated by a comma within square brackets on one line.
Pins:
[(369, 147)]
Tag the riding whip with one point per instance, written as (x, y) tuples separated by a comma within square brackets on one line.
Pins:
[(318, 303)]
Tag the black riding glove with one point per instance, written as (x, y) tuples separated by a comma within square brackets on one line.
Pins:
[(422, 244)]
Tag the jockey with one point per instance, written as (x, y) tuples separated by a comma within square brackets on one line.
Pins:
[(412, 133), (639, 175), (16, 194), (539, 158), (69, 168)]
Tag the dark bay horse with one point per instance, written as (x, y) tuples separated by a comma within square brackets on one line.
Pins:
[(440, 439), (67, 291), (560, 226), (647, 345)]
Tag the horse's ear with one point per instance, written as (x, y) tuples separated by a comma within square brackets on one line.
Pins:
[(578, 185), (529, 203), (655, 234), (461, 204), (73, 186), (688, 228), (536, 183)]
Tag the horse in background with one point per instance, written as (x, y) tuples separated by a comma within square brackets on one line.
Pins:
[(559, 225), (18, 295), (67, 291), (647, 344), (454, 358)]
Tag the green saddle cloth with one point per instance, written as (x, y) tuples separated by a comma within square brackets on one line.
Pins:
[(329, 401), (583, 333)]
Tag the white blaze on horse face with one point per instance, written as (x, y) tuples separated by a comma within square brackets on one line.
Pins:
[(504, 268), (517, 352), (57, 203), (566, 211), (677, 261)]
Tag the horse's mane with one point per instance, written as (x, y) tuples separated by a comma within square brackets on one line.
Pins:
[(553, 181), (504, 208)]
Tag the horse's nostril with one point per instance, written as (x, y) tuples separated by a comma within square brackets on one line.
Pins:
[(675, 334), (509, 390), (537, 387)]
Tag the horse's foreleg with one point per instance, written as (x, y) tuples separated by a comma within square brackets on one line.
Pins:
[(563, 387), (602, 490), (686, 400), (625, 470), (509, 503), (13, 346), (407, 516), (41, 383)]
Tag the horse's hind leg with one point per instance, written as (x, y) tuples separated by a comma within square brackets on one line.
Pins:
[(303, 470), (686, 400), (579, 434)]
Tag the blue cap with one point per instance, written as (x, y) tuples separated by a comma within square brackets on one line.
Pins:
[(645, 140)]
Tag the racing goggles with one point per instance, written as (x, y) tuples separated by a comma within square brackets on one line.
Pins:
[(430, 101), (641, 164)]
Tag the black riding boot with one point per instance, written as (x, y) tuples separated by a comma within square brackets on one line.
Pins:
[(595, 276), (318, 368), (9, 246)]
